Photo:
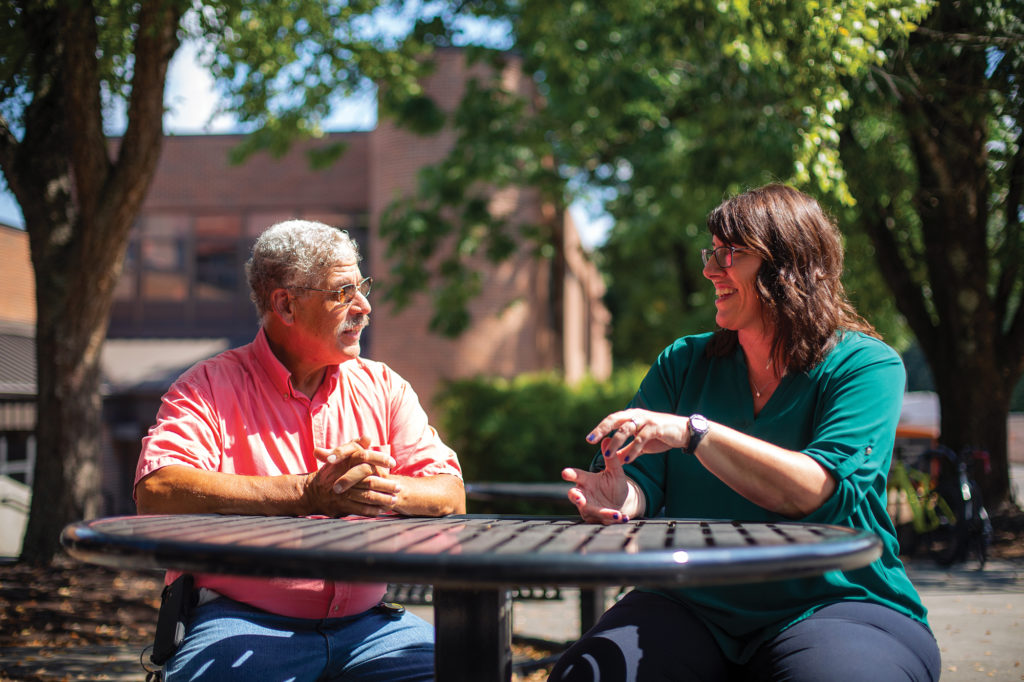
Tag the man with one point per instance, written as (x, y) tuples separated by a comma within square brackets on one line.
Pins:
[(296, 423)]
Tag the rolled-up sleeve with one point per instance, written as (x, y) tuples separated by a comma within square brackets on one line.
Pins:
[(416, 446), (186, 432), (855, 428)]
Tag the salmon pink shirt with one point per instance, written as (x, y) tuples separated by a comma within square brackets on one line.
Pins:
[(238, 413)]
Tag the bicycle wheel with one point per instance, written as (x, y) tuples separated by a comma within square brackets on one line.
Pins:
[(979, 527), (949, 540)]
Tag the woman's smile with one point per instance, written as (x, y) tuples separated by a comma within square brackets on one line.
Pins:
[(724, 292)]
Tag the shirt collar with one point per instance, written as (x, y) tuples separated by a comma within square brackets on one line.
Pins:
[(280, 376)]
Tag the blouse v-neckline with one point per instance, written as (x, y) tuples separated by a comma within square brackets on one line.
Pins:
[(743, 376)]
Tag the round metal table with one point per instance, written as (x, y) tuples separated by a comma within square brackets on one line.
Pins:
[(473, 560)]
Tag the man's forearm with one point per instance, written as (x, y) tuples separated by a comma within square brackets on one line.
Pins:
[(180, 489), (430, 495)]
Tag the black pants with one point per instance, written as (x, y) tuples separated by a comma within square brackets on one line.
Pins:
[(648, 637)]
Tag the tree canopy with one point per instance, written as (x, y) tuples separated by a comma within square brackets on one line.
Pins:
[(663, 106)]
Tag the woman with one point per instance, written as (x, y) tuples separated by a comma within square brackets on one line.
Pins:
[(787, 412)]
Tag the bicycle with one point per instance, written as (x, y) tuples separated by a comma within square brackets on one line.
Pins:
[(936, 502), (916, 509), (972, 533)]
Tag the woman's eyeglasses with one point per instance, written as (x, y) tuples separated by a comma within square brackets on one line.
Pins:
[(723, 255), (347, 293)]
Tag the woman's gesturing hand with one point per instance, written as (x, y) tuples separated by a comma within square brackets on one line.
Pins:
[(601, 497), (608, 496), (649, 431)]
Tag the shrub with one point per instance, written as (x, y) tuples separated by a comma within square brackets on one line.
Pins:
[(528, 428)]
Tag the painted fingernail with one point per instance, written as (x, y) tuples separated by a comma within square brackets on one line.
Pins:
[(625, 460), (591, 438), (625, 519), (606, 453), (615, 515)]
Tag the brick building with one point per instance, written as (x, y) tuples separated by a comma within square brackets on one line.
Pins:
[(17, 356), (183, 295)]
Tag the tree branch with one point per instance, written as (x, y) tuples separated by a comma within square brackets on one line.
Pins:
[(1004, 41), (1011, 257), (156, 42), (8, 153), (1014, 338), (896, 271), (82, 104)]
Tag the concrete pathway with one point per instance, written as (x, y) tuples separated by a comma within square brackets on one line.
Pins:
[(977, 617)]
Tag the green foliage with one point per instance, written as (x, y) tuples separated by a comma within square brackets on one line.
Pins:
[(663, 105), (934, 153), (283, 66), (528, 428)]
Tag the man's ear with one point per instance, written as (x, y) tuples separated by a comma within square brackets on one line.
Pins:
[(282, 306)]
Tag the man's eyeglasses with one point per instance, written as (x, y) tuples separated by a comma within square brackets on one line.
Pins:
[(347, 293), (723, 255)]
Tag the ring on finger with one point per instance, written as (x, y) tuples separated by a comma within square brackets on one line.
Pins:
[(636, 424)]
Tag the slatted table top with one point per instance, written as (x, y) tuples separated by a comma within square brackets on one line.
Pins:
[(474, 551)]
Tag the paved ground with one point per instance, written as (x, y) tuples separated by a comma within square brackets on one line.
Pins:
[(977, 616), (978, 619)]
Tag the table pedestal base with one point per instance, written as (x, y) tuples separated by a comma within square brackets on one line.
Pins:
[(473, 634)]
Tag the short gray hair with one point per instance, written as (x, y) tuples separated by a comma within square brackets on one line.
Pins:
[(295, 253)]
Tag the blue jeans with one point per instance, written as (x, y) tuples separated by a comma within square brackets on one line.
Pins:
[(227, 640)]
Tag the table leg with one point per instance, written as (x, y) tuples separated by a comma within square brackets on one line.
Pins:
[(473, 634), (592, 601)]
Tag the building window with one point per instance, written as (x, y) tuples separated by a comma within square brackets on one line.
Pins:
[(184, 273), (127, 285), (164, 257), (18, 455), (218, 258)]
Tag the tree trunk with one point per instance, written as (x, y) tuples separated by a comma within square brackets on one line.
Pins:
[(975, 399), (967, 348), (67, 474), (79, 207), (944, 276)]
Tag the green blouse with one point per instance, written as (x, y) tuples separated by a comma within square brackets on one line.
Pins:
[(843, 413)]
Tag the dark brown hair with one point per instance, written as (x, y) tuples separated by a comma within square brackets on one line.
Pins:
[(799, 284)]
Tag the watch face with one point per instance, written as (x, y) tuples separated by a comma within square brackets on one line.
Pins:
[(698, 423)]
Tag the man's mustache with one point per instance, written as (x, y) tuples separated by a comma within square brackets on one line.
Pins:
[(356, 322)]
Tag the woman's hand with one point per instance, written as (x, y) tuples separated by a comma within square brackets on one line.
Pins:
[(650, 431), (608, 496)]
